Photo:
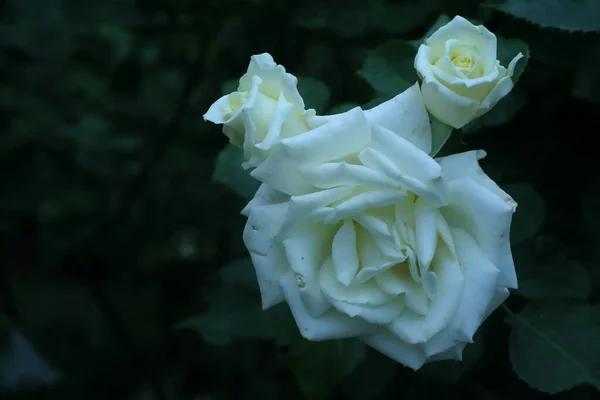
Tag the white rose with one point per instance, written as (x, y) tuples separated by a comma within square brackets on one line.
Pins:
[(339, 150), (379, 240), (462, 79), (266, 107)]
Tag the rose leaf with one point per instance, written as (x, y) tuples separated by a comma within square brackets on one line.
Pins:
[(554, 345)]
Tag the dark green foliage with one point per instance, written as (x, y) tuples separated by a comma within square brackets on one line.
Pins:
[(122, 270)]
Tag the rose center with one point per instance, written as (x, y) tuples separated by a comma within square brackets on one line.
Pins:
[(236, 100), (463, 61)]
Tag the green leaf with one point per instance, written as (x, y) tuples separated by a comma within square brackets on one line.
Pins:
[(160, 91), (377, 100), (315, 93), (350, 18), (61, 317), (507, 50), (554, 345), (503, 112), (235, 311), (586, 82), (230, 86), (439, 22), (20, 365), (568, 15), (545, 271), (370, 378), (389, 69), (588, 256), (440, 133), (341, 108), (453, 370), (228, 170), (590, 210), (119, 39), (530, 214), (319, 366), (552, 46)]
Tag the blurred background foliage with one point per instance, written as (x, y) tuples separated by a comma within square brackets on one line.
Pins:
[(122, 270)]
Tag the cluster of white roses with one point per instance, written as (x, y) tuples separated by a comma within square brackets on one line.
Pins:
[(356, 226)]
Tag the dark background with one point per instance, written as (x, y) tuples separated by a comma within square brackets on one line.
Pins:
[(112, 230)]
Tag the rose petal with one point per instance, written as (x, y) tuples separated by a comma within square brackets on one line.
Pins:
[(329, 325), (483, 210), (480, 283), (344, 254), (426, 233), (500, 295), (446, 105), (406, 116), (432, 191), (410, 355), (267, 255), (280, 172), (276, 80), (379, 315), (362, 201), (452, 353), (367, 293), (395, 281), (306, 252), (462, 30), (414, 328), (345, 134), (328, 175)]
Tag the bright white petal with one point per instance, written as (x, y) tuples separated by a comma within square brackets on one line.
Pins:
[(406, 354), (263, 225), (487, 218), (330, 325), (480, 283), (280, 172), (432, 190), (396, 281), (346, 134), (264, 196), (379, 315), (446, 105), (269, 270), (426, 232), (358, 203), (328, 175), (414, 328), (367, 293), (406, 116), (306, 252), (276, 80), (462, 30), (500, 295), (409, 159), (266, 253), (344, 255)]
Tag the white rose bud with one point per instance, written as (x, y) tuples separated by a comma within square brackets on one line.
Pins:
[(462, 79), (266, 108), (378, 240)]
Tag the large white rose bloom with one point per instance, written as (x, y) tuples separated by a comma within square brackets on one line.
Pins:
[(365, 235)]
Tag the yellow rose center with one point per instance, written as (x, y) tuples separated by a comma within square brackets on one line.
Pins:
[(462, 62), (236, 100), (465, 59)]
